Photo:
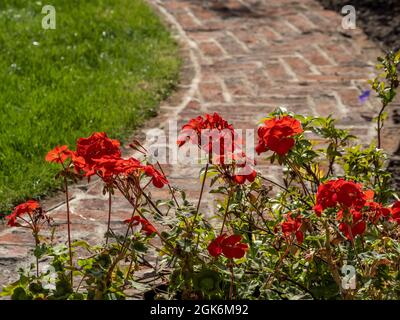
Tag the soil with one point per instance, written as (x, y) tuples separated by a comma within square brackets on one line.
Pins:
[(380, 19)]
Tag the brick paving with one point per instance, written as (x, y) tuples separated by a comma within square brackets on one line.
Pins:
[(242, 58)]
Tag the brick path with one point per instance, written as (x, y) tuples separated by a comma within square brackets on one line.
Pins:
[(242, 59)]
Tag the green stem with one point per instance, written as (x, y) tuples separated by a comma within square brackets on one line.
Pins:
[(68, 227), (129, 270), (380, 124), (109, 215), (201, 192), (230, 263), (169, 186), (225, 213), (198, 204), (331, 263)]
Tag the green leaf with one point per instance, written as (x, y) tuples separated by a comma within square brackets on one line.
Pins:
[(19, 293)]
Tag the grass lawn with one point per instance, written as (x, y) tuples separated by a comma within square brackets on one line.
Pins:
[(105, 67)]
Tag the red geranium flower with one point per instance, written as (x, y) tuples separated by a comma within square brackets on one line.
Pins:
[(129, 166), (243, 170), (109, 167), (147, 227), (93, 148), (214, 134), (209, 133), (158, 179), (376, 210), (350, 194), (230, 247), (352, 223), (242, 178), (277, 135), (59, 154), (396, 212), (191, 131), (25, 208), (106, 167), (346, 194), (292, 227)]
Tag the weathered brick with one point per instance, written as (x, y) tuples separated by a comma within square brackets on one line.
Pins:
[(315, 57), (276, 71), (298, 66), (326, 104), (211, 49), (301, 22), (211, 92)]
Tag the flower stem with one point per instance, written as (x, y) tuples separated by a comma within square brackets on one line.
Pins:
[(109, 215), (169, 186), (225, 214), (37, 243), (37, 267), (198, 204), (201, 192), (379, 123), (68, 227), (301, 179), (277, 266), (129, 270), (331, 262), (135, 204), (230, 264)]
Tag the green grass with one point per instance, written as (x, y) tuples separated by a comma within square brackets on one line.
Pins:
[(105, 68)]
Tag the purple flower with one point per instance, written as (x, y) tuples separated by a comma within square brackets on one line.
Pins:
[(364, 96)]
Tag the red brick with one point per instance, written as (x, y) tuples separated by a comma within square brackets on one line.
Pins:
[(211, 92), (211, 49), (298, 66)]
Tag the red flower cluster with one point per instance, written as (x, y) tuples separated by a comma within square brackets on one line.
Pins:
[(158, 179), (243, 177), (59, 154), (355, 206), (147, 227), (395, 210), (291, 227), (350, 198), (230, 247), (101, 155), (213, 131), (277, 135), (243, 169), (376, 211), (108, 167), (352, 223), (192, 131), (342, 193), (94, 148), (25, 208)]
